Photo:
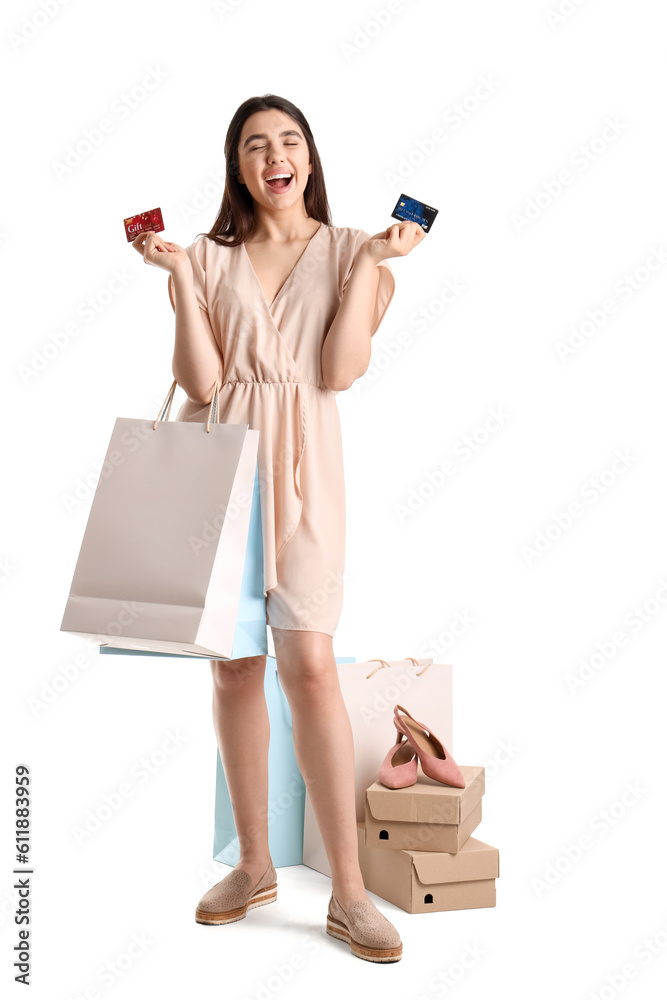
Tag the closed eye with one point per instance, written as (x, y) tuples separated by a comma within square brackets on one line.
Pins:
[(253, 148)]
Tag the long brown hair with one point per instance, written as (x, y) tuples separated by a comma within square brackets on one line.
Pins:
[(236, 218)]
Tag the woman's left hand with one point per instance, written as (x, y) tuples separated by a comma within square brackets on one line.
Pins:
[(395, 241)]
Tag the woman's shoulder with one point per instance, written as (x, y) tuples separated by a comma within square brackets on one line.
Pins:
[(347, 239), (207, 253), (346, 232), (202, 245)]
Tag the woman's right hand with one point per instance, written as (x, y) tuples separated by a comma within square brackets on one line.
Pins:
[(160, 252)]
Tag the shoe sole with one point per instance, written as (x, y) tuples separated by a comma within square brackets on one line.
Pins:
[(397, 784), (268, 895), (338, 930)]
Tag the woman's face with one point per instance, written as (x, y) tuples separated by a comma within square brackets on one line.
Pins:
[(272, 143)]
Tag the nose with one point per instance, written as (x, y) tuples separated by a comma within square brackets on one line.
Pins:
[(274, 153)]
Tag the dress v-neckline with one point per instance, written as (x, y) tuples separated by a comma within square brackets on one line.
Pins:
[(289, 276)]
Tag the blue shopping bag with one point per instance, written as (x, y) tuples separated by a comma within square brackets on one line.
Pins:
[(286, 786), (250, 637)]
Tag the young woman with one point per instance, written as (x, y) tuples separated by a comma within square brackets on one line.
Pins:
[(279, 306)]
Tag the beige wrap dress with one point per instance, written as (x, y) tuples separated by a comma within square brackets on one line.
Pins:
[(271, 378)]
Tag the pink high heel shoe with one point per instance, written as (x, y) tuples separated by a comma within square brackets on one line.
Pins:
[(399, 767), (436, 761)]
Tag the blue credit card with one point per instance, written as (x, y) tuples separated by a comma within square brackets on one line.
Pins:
[(411, 210)]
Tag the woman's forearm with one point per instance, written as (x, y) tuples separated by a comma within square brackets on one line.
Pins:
[(346, 351), (196, 360)]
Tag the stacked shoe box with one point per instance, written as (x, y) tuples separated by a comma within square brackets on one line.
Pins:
[(416, 848)]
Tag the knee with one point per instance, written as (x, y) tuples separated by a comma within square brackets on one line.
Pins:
[(230, 676), (309, 682)]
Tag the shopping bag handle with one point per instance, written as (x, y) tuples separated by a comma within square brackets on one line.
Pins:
[(164, 416), (384, 663)]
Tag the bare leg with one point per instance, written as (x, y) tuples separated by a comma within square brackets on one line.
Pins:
[(324, 749), (241, 723)]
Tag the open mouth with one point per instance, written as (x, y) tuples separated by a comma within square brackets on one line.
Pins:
[(280, 182)]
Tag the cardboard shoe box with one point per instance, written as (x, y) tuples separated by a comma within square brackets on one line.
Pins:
[(426, 816), (426, 881)]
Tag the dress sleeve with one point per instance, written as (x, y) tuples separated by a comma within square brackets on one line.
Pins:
[(198, 260), (197, 254), (386, 283)]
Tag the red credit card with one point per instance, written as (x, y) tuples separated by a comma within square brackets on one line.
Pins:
[(143, 222)]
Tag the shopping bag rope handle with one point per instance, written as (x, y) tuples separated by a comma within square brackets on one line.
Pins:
[(376, 659), (170, 398), (285, 707)]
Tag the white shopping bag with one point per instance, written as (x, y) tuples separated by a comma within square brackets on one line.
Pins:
[(370, 691), (162, 558)]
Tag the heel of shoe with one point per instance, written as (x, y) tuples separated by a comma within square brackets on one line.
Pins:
[(438, 765), (337, 930), (267, 895), (399, 775)]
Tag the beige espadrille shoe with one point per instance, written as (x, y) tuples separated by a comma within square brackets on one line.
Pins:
[(231, 898), (369, 934)]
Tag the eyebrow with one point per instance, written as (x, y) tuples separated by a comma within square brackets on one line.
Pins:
[(261, 135)]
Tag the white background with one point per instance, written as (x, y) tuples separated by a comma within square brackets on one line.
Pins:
[(372, 95)]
